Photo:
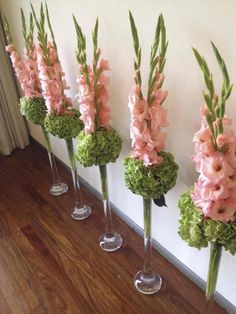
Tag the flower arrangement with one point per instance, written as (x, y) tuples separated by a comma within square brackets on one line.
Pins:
[(62, 119), (208, 210), (149, 171), (98, 143), (32, 105)]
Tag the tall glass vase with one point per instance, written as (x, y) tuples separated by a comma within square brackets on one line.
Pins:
[(80, 211), (58, 187), (110, 241), (147, 281), (213, 270)]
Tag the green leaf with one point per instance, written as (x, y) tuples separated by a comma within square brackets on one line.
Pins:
[(35, 17), (198, 57), (134, 33), (23, 24), (208, 101), (228, 92), (95, 33), (50, 27), (221, 65), (7, 30)]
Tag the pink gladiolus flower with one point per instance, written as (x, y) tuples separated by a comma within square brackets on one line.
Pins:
[(26, 71), (225, 139), (53, 83), (146, 123), (96, 100), (213, 192), (203, 111), (158, 115), (226, 121), (223, 211), (216, 168), (159, 96), (104, 65)]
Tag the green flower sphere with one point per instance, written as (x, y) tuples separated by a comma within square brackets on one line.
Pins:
[(63, 126), (151, 182), (98, 148), (34, 109), (197, 231)]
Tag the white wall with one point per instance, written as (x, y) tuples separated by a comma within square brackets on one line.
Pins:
[(189, 23)]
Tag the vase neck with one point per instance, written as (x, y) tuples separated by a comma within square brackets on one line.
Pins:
[(106, 203), (55, 176), (77, 192), (147, 215), (213, 270)]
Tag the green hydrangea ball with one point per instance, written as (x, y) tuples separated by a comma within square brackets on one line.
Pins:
[(63, 126), (154, 181), (34, 109), (98, 148), (191, 228), (197, 230)]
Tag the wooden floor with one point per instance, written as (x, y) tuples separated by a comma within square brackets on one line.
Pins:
[(50, 263)]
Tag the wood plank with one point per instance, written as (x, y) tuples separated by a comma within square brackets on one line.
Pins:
[(50, 263)]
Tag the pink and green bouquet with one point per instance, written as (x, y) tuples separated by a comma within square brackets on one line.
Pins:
[(149, 170), (32, 105), (62, 119), (98, 143), (208, 210)]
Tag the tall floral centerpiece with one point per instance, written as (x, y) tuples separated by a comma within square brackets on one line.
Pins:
[(149, 171), (98, 144), (208, 210), (32, 105), (62, 120)]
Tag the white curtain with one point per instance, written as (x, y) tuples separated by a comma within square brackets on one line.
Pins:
[(13, 131)]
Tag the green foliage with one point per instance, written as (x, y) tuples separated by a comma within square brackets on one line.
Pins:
[(191, 227), (63, 126), (216, 107), (7, 30), (137, 50), (151, 182), (157, 57), (42, 34), (98, 148), (81, 47), (34, 109), (28, 35), (198, 231)]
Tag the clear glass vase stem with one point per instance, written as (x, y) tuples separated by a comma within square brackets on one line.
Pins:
[(213, 270), (147, 281), (106, 203), (110, 241), (58, 188), (77, 192), (147, 206), (80, 210)]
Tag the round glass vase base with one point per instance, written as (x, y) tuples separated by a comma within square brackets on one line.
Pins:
[(81, 213), (58, 189), (110, 243), (148, 283)]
